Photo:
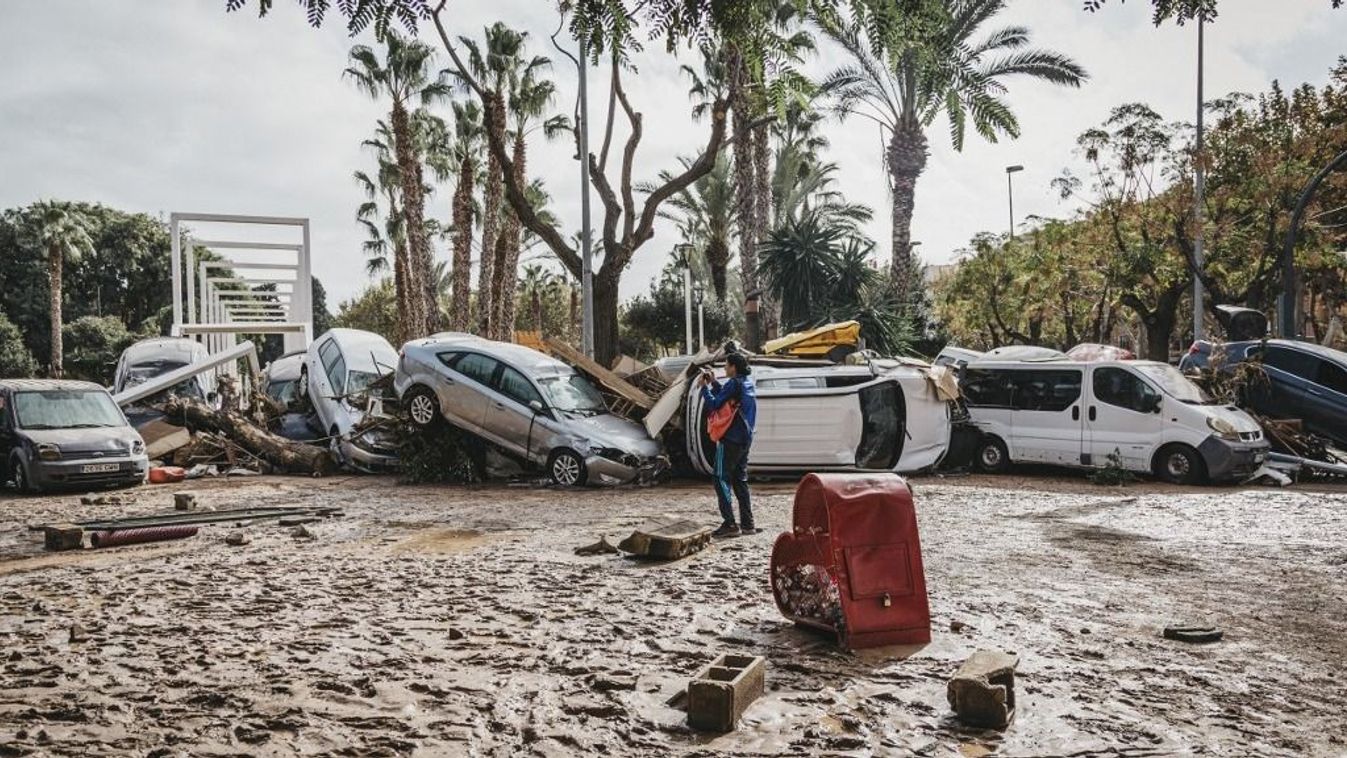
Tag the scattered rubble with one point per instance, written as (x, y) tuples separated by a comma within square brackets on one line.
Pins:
[(666, 539), (982, 692), (602, 547), (237, 538), (184, 501), (720, 693)]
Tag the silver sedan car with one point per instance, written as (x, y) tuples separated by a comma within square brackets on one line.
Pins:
[(526, 402)]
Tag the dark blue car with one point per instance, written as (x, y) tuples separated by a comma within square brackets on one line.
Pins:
[(1304, 380)]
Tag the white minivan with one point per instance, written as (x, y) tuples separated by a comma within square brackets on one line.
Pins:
[(1145, 415)]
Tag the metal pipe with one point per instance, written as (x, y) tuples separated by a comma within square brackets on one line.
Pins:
[(1199, 194), (587, 247), (138, 536)]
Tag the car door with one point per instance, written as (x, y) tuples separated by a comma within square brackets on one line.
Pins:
[(799, 427), (509, 417), (1046, 420), (1288, 372), (464, 396), (1119, 418), (1325, 403)]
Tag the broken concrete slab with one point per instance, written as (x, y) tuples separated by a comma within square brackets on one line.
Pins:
[(602, 547), (237, 538), (63, 537), (666, 538), (982, 692), (184, 501), (723, 690)]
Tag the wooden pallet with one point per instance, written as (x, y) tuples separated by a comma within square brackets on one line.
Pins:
[(614, 383)]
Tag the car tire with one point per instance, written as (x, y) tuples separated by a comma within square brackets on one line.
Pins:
[(566, 468), (992, 456), (1179, 464), (22, 483), (423, 407)]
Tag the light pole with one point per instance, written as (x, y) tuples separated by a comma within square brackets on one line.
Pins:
[(1199, 193), (1010, 195), (587, 248), (699, 297), (683, 254)]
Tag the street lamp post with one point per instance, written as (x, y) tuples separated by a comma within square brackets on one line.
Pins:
[(699, 297), (1010, 195), (683, 253), (587, 249), (1199, 193)]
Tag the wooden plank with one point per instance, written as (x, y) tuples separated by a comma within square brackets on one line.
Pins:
[(603, 376)]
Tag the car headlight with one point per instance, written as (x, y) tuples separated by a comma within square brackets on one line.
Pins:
[(1223, 429), (48, 452), (137, 447)]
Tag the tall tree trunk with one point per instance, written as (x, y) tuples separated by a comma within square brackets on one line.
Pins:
[(413, 321), (507, 265), (718, 257), (763, 205), (605, 319), (425, 267), (744, 206), (55, 262), (401, 292), (461, 296), (575, 311), (907, 154), (486, 277)]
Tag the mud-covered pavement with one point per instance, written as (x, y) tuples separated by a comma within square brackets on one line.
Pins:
[(451, 621)]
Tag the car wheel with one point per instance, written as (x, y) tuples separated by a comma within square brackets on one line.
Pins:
[(1179, 464), (565, 467), (423, 407), (992, 456), (22, 483)]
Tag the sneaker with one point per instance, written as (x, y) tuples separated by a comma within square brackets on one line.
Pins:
[(726, 530), (749, 530)]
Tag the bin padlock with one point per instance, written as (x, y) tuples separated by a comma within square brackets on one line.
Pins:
[(887, 600)]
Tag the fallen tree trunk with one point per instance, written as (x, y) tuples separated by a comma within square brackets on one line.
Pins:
[(285, 455)]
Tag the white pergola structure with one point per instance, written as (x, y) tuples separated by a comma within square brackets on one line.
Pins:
[(224, 298)]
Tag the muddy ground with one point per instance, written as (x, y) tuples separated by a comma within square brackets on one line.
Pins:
[(453, 621)]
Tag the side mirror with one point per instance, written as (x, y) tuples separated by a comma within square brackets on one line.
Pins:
[(536, 405)]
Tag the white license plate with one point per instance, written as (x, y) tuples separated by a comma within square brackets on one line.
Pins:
[(99, 468)]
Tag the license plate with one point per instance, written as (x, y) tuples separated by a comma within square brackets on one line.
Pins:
[(99, 468)]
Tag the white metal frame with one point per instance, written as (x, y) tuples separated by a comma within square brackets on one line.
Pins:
[(218, 314)]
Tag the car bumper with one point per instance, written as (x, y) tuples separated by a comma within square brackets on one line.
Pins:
[(631, 470), (82, 472), (1229, 460), (369, 461)]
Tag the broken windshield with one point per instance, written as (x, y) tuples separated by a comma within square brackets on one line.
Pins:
[(66, 409), (1175, 384), (572, 393)]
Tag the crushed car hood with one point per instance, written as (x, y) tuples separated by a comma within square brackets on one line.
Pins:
[(107, 439), (612, 431)]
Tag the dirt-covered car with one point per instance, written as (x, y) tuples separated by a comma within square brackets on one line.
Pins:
[(66, 434), (338, 371), (530, 404)]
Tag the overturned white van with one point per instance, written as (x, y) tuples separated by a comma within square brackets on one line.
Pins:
[(834, 418)]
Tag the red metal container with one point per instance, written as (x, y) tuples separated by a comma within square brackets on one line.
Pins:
[(852, 564)]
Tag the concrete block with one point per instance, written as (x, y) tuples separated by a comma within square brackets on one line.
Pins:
[(982, 692), (63, 537), (666, 538), (184, 501), (722, 691)]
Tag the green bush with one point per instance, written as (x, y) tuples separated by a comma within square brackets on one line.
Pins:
[(92, 346), (15, 360), (440, 455)]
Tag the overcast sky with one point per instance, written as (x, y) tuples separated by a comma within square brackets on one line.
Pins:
[(174, 105)]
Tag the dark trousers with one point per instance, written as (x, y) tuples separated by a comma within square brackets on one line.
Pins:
[(732, 476)]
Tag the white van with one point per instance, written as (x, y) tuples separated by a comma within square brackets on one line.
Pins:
[(1071, 413), (834, 418)]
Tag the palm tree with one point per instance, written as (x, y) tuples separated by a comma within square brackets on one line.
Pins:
[(495, 67), (800, 262), (537, 284), (385, 185), (63, 232), (530, 97), (469, 136), (904, 88), (705, 214), (403, 76)]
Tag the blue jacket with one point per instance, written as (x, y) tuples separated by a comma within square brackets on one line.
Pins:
[(739, 388)]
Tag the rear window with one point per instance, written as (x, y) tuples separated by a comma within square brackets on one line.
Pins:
[(884, 418), (1044, 390), (989, 388)]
